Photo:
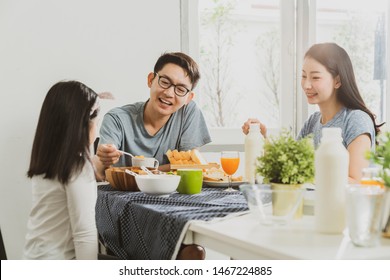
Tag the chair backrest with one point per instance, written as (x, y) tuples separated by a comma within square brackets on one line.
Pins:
[(3, 255), (95, 145)]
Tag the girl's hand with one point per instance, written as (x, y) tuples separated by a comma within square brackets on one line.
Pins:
[(245, 127)]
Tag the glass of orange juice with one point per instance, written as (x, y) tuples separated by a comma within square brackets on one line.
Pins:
[(230, 161), (371, 177)]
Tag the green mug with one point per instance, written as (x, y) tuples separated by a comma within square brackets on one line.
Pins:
[(191, 181)]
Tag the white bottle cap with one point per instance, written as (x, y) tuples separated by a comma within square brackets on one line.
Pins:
[(254, 127)]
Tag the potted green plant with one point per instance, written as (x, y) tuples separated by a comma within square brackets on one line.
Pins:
[(381, 157), (287, 163), (286, 160)]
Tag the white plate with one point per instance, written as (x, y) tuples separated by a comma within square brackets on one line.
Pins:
[(223, 184)]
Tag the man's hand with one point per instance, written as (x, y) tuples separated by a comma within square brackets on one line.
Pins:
[(108, 154)]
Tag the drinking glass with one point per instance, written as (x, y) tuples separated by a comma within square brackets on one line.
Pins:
[(230, 161), (364, 214)]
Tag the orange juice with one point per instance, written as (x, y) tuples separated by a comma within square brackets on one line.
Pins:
[(371, 177), (372, 182), (230, 165)]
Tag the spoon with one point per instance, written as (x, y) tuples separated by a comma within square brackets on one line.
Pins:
[(131, 172), (127, 154), (147, 170)]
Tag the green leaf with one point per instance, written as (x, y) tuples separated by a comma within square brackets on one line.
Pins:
[(286, 160), (381, 156)]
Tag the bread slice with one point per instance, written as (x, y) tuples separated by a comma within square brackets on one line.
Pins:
[(214, 174), (218, 175), (185, 157), (197, 157)]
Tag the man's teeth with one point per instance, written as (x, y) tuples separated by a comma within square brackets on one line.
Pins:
[(165, 102)]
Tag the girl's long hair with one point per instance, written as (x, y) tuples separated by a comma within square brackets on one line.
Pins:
[(61, 144), (337, 61)]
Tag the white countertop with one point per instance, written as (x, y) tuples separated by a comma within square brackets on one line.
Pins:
[(243, 237)]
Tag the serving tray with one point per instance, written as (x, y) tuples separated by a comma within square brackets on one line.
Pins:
[(195, 166)]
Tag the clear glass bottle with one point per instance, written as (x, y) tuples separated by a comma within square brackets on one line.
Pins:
[(253, 149)]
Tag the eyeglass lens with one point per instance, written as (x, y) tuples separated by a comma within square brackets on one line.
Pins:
[(165, 83)]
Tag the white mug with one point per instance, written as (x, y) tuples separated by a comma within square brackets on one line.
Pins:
[(147, 162)]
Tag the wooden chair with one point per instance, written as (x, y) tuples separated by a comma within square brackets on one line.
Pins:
[(3, 255), (191, 252), (104, 253), (186, 252), (95, 145)]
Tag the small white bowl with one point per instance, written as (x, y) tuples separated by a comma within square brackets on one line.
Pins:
[(160, 185)]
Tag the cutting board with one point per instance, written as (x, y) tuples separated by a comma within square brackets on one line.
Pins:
[(195, 166)]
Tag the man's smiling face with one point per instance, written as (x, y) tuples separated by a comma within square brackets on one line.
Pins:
[(165, 101)]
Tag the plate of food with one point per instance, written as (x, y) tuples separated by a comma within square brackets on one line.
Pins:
[(223, 184), (216, 177)]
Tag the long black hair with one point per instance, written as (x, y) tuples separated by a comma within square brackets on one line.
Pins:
[(61, 144), (337, 61)]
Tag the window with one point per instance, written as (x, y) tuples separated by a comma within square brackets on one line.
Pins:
[(239, 44), (250, 54), (360, 28)]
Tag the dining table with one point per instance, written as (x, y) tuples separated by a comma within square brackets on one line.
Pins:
[(135, 225), (244, 237)]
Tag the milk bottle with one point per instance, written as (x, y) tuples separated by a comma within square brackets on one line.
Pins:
[(253, 148), (331, 179)]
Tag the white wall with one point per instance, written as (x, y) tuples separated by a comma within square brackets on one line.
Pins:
[(108, 45)]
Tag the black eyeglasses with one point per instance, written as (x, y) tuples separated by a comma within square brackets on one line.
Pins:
[(165, 83)]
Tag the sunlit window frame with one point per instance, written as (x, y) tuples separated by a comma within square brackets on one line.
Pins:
[(298, 26), (387, 97)]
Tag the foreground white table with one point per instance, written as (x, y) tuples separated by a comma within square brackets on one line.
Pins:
[(243, 237)]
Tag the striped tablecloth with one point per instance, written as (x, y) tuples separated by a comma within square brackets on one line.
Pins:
[(135, 225)]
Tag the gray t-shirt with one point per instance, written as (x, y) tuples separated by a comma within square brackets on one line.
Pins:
[(124, 127), (352, 123)]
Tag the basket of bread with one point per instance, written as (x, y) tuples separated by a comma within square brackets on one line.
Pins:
[(120, 180)]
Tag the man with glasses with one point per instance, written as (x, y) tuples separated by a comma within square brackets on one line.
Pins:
[(167, 120)]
